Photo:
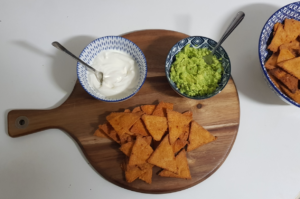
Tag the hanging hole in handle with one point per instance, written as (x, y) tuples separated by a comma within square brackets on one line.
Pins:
[(22, 122)]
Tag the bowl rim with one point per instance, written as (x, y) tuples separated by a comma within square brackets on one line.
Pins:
[(263, 65), (127, 97), (197, 97)]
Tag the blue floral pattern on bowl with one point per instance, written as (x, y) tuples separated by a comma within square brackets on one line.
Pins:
[(199, 42), (290, 11), (110, 43)]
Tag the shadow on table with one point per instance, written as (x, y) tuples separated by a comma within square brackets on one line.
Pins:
[(242, 47)]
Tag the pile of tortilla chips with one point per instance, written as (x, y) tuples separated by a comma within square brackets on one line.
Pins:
[(154, 135), (284, 64)]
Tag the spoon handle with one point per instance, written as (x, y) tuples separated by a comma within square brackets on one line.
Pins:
[(235, 22), (60, 47)]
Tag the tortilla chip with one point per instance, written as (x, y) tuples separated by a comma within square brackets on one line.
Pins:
[(272, 61), (198, 136), (136, 109), (127, 111), (156, 125), (285, 54), (132, 172), (278, 39), (274, 80), (163, 156), (186, 129), (100, 133), (183, 168), (139, 128), (161, 108), (276, 26), (127, 147), (148, 109), (292, 29), (178, 145), (294, 96), (176, 123), (110, 132), (147, 175), (288, 80), (122, 122), (292, 66), (140, 152), (293, 45)]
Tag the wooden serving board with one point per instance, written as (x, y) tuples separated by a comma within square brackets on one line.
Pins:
[(81, 114)]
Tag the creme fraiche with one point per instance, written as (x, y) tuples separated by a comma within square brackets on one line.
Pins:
[(120, 73)]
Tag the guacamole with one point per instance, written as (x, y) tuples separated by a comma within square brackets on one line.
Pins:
[(192, 75)]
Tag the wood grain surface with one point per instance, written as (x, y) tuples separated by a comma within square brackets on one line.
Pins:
[(81, 114)]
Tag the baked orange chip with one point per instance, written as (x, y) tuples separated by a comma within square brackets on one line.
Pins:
[(278, 39), (148, 109), (161, 109), (272, 61), (292, 66), (178, 145), (163, 156), (132, 172), (100, 133), (110, 132), (288, 80), (183, 168), (140, 152), (147, 175), (198, 136), (122, 122), (176, 123), (156, 125), (139, 128), (295, 96), (292, 29), (285, 54), (127, 147), (127, 111), (136, 109)]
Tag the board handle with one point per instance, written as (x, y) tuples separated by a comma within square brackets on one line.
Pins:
[(24, 122)]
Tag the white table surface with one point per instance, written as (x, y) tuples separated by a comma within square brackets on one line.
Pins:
[(264, 161)]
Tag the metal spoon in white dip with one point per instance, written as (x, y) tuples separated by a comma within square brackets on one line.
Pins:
[(98, 74)]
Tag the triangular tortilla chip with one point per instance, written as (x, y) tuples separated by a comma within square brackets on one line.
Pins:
[(110, 132), (122, 122), (292, 29), (198, 136), (140, 152), (156, 125), (285, 54), (132, 172), (274, 80), (127, 147), (136, 109), (292, 66), (288, 80), (163, 156), (272, 61), (278, 39), (294, 96), (183, 168), (148, 109), (176, 123), (100, 133), (293, 45), (161, 108), (186, 129), (126, 137), (127, 111), (276, 26), (139, 128), (178, 145), (147, 175)]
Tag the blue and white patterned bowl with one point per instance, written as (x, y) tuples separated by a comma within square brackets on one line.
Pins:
[(111, 43), (199, 42), (290, 11)]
